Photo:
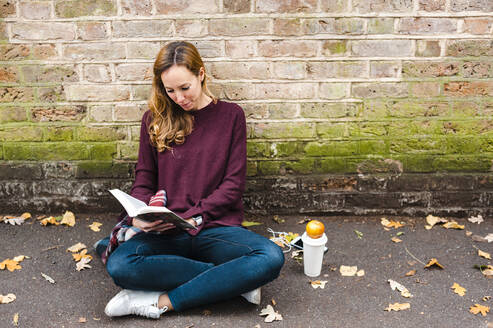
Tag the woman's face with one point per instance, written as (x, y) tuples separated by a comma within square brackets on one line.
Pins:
[(183, 87)]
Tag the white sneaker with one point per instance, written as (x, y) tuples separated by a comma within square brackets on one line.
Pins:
[(137, 302), (253, 296)]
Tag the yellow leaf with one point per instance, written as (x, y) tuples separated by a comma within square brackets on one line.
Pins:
[(19, 258), (453, 225), (26, 215), (404, 291), (82, 320), (11, 265), (250, 223), (78, 256), (290, 236), (68, 219), (95, 226), (411, 273), (396, 240), (398, 307), (432, 220), (16, 319), (458, 289), (433, 262), (49, 220), (484, 254), (4, 299), (477, 308), (76, 248), (318, 283)]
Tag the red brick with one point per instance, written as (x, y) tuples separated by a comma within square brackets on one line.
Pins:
[(8, 74), (429, 69), (477, 69), (475, 88), (16, 94), (58, 113), (44, 51)]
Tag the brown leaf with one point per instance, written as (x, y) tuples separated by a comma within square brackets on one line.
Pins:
[(396, 240), (82, 320), (207, 312), (390, 223), (486, 298), (411, 273), (432, 220), (273, 301), (477, 308), (78, 256), (398, 307), (458, 289), (277, 219), (434, 262)]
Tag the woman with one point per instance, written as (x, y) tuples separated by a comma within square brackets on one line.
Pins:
[(193, 147)]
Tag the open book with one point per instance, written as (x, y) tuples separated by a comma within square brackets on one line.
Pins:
[(138, 209)]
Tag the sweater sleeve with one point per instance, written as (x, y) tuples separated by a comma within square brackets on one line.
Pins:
[(231, 189), (145, 184)]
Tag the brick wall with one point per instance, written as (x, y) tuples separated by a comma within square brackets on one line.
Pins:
[(367, 106)]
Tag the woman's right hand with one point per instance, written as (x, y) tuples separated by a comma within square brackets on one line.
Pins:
[(157, 225)]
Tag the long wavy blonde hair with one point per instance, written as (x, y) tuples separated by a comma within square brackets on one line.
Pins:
[(169, 122)]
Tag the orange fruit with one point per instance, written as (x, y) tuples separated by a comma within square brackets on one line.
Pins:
[(315, 229)]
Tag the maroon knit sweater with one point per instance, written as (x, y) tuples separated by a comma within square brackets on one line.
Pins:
[(203, 176)]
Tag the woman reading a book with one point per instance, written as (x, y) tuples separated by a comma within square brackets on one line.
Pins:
[(193, 151)]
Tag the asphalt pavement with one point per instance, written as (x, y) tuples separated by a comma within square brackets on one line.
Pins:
[(78, 298)]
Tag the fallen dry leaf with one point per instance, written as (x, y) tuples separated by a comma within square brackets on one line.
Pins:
[(95, 226), (11, 265), (396, 240), (14, 220), (484, 254), (476, 219), (477, 308), (273, 301), (348, 271), (404, 291), (468, 233), (434, 262), (410, 273), (20, 258), (82, 320), (49, 220), (68, 219), (76, 248), (458, 289), (47, 277), (479, 239), (5, 299), (15, 320), (398, 307), (277, 219), (207, 312), (360, 273), (486, 298), (318, 283), (78, 256), (489, 237), (453, 225), (271, 314), (486, 270), (83, 264), (390, 223), (432, 220)]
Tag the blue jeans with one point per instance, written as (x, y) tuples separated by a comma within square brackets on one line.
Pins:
[(217, 264)]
